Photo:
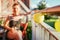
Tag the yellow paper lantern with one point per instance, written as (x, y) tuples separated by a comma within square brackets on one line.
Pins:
[(38, 17), (57, 25)]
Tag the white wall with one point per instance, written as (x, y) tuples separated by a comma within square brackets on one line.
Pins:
[(6, 7)]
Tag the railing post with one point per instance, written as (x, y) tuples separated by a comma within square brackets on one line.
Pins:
[(46, 33), (42, 32), (52, 38), (38, 32), (33, 27), (33, 31)]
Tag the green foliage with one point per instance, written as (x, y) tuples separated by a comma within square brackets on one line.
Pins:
[(50, 20), (0, 22), (51, 23), (42, 5), (29, 31), (47, 17)]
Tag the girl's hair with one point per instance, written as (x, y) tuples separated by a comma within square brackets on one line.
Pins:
[(11, 23), (15, 4)]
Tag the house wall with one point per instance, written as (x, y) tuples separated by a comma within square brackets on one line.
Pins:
[(6, 6)]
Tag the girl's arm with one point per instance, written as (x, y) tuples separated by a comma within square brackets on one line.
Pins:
[(25, 27), (25, 14), (6, 24)]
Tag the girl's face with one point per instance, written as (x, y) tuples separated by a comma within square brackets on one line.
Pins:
[(16, 9)]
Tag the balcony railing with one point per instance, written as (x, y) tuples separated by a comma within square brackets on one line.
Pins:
[(43, 31)]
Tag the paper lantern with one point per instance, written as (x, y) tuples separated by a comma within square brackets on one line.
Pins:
[(38, 17), (57, 25)]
